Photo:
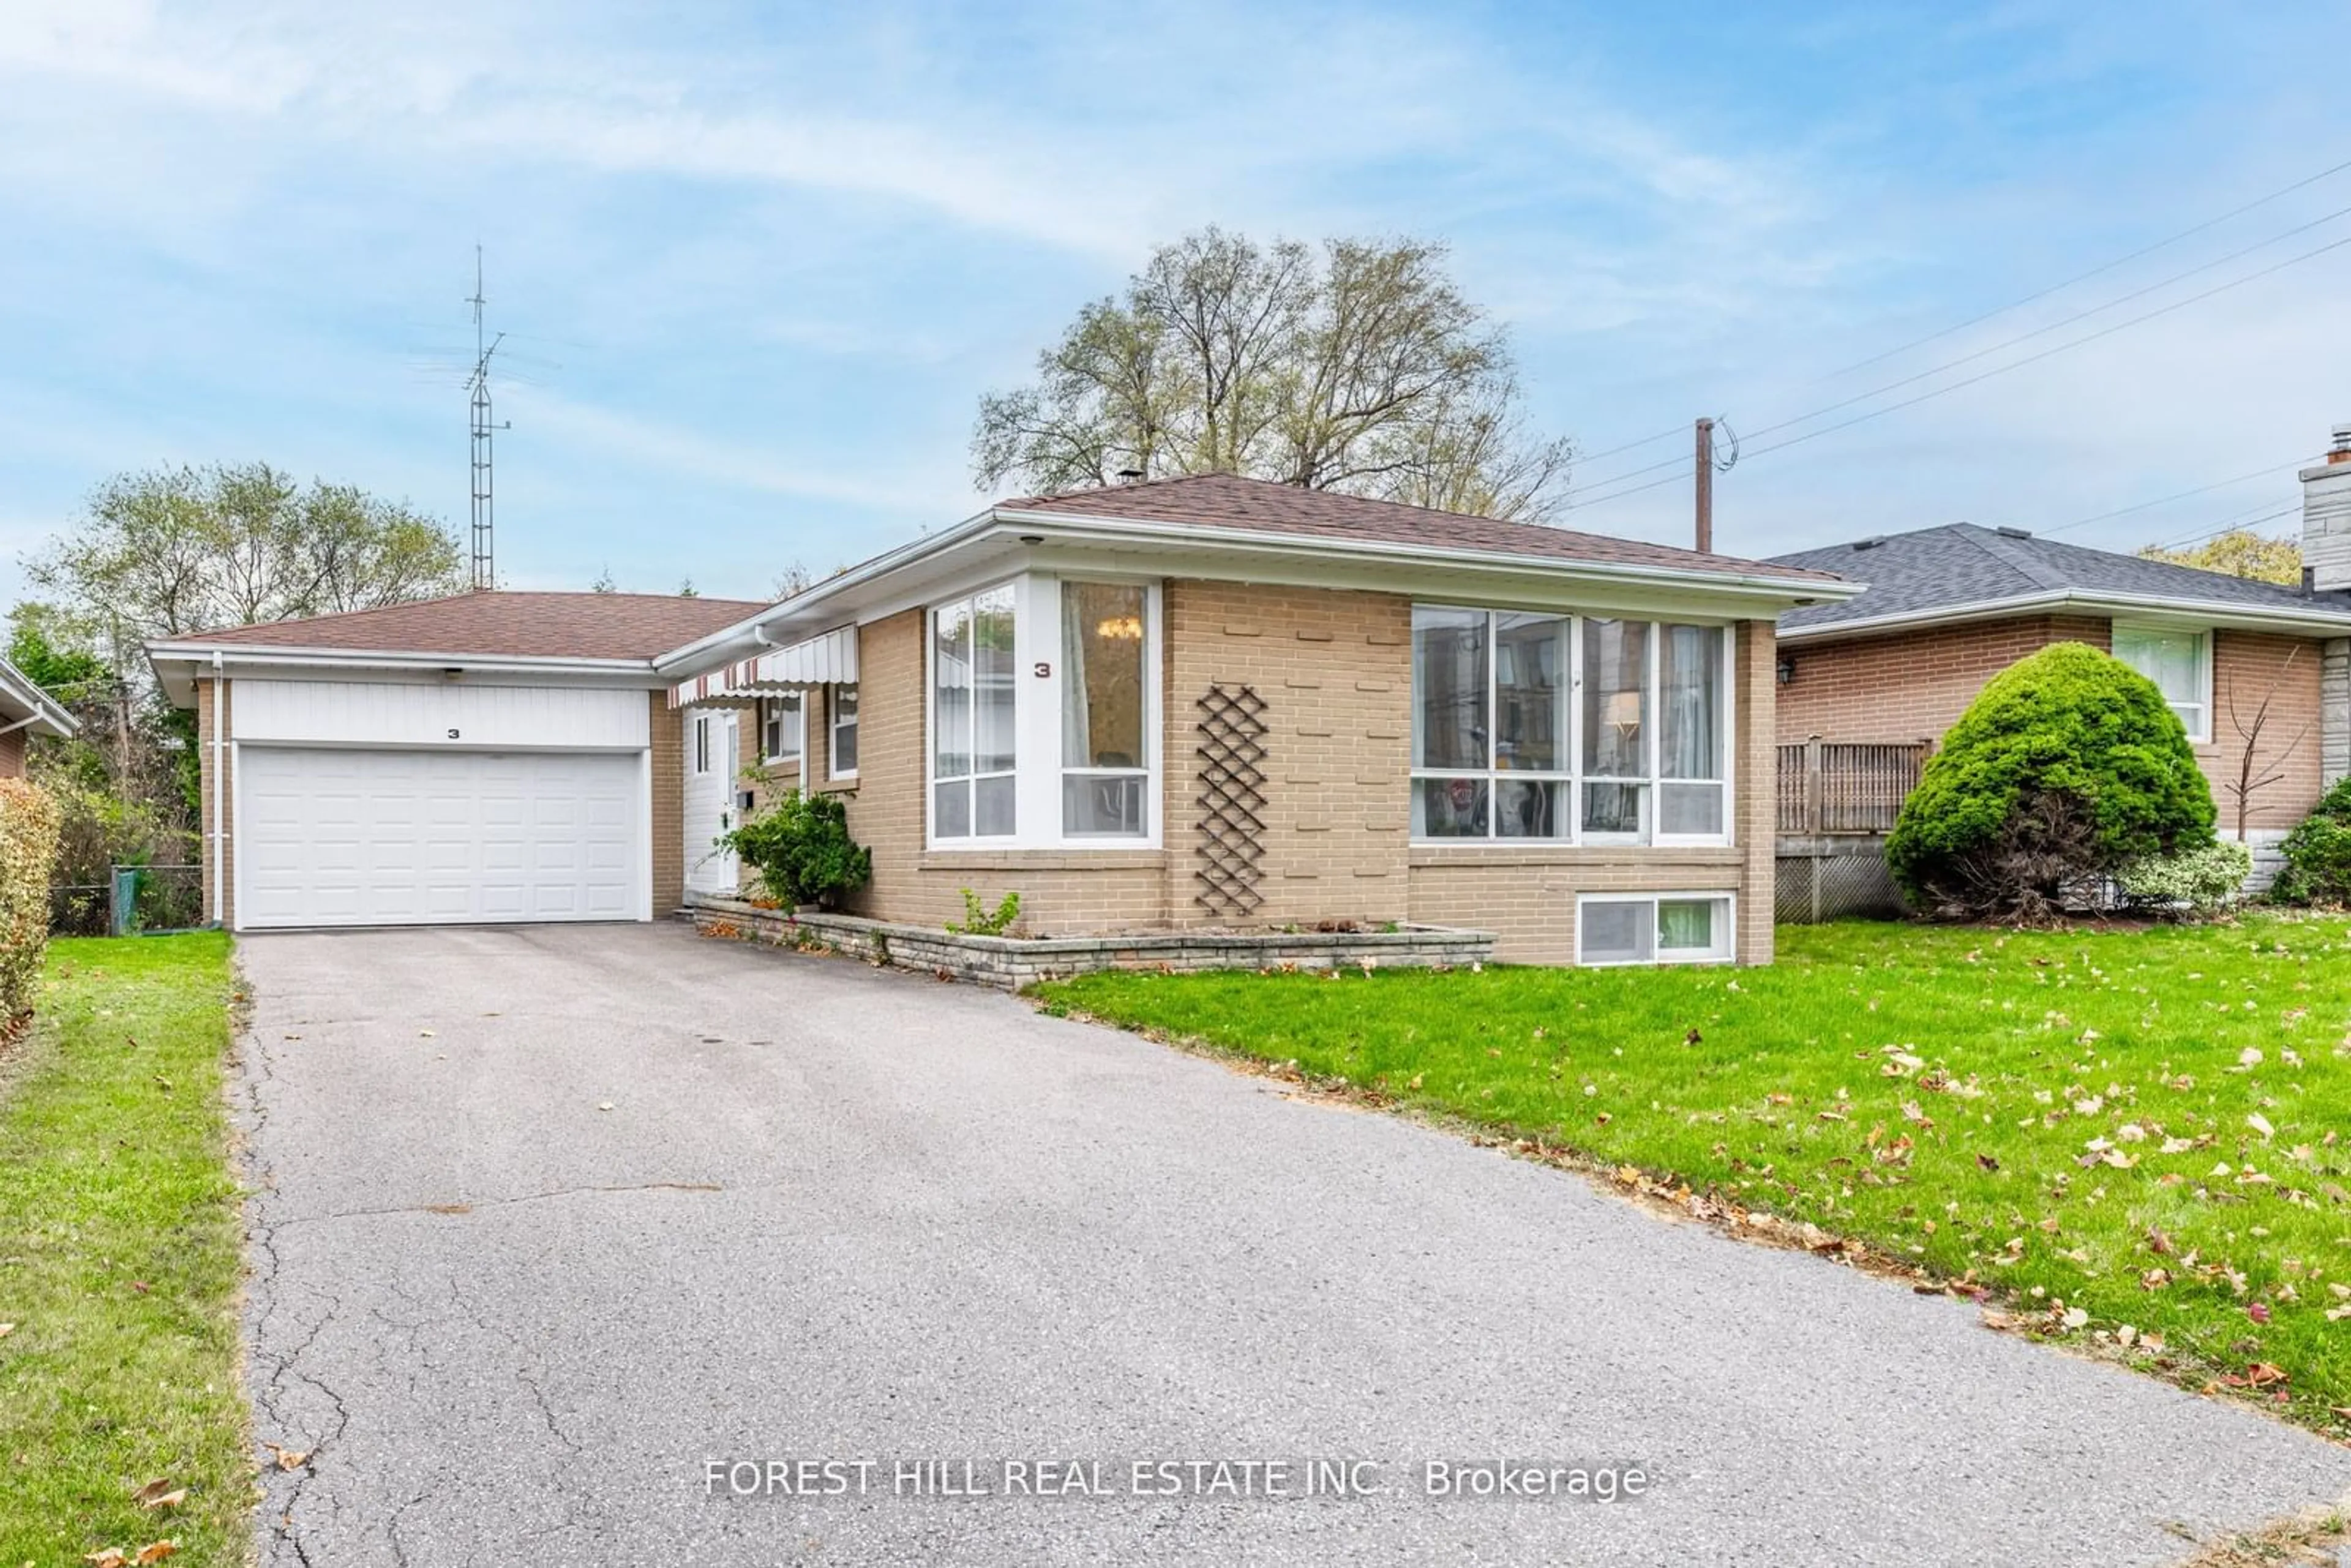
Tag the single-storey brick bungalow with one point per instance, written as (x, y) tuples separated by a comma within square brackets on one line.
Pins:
[(1948, 607), (1196, 703)]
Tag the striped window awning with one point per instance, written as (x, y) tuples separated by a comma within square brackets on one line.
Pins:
[(829, 658)]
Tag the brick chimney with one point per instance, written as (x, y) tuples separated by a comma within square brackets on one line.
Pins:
[(2326, 516)]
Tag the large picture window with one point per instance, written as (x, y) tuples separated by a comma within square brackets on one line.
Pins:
[(972, 746), (2180, 664), (1567, 730), (1105, 740)]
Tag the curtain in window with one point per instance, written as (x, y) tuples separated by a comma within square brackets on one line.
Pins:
[(1690, 673)]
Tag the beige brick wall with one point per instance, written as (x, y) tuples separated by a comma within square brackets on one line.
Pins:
[(207, 784), (1526, 895), (1334, 670), (667, 733), (1914, 685)]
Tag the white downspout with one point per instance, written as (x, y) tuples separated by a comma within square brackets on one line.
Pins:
[(220, 793)]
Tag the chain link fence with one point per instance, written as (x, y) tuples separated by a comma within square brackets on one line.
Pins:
[(136, 899)]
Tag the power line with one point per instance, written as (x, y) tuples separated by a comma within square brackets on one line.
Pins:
[(2232, 526), (2097, 271), (2175, 496), (2049, 352), (2051, 327), (1645, 441)]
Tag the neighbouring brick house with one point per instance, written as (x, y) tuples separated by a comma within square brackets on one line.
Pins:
[(1212, 703), (1948, 607)]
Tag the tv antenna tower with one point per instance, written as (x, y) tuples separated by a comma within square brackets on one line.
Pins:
[(485, 564)]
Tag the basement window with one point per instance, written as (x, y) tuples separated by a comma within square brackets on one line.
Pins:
[(1659, 928)]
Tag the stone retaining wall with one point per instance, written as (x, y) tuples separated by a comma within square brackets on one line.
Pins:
[(1012, 962)]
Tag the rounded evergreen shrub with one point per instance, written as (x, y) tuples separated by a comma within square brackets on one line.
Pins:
[(2318, 852), (2067, 769)]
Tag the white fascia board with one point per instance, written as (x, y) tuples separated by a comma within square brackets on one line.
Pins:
[(1305, 559), (176, 666), (2146, 608), (749, 635), (1319, 546)]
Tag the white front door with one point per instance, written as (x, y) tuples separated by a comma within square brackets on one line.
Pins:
[(347, 836), (712, 764)]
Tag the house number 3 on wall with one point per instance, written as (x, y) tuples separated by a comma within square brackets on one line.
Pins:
[(452, 735), (1044, 671)]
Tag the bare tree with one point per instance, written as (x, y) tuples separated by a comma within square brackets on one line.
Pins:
[(1360, 368), (2251, 780)]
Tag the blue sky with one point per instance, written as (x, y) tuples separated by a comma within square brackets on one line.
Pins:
[(759, 265)]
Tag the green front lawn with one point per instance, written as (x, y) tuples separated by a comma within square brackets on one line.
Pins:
[(118, 1260), (2146, 1127)]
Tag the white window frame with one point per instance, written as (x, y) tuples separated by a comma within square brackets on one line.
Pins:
[(2200, 732), (794, 704), (1036, 714), (832, 728), (1725, 949), (1575, 778), (1147, 765), (1021, 603)]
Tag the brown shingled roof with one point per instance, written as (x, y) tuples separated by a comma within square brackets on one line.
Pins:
[(513, 624), (1227, 501)]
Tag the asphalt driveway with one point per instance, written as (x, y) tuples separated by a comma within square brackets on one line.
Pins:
[(553, 1218)]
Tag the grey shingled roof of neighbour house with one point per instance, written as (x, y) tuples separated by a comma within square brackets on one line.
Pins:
[(1958, 565)]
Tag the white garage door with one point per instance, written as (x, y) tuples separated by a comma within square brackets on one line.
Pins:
[(347, 837)]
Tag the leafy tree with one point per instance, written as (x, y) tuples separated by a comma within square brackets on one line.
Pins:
[(604, 583), (58, 653), (1357, 367), (2067, 766), (166, 552), (2240, 552)]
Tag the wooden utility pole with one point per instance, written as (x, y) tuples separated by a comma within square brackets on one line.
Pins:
[(1704, 485)]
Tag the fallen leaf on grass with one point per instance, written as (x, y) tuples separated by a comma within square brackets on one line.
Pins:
[(2261, 1124), (112, 1557), (159, 1494), (1988, 1162), (155, 1551), (6, 1329)]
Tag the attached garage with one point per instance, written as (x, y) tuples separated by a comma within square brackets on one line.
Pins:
[(443, 762), (348, 836)]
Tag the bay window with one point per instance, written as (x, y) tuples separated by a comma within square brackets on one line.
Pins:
[(1105, 781), (972, 697), (2180, 665), (1044, 715), (1569, 729)]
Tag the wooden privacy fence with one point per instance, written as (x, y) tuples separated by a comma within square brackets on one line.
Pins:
[(1845, 787), (1837, 801)]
